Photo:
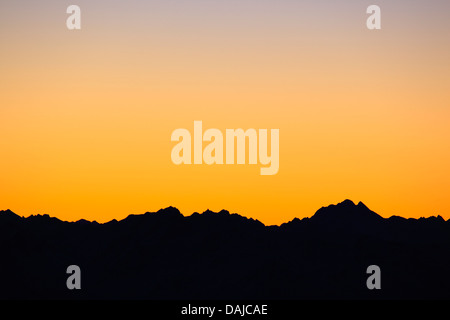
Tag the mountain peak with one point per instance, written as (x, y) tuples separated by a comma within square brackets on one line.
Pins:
[(346, 202), (169, 211), (8, 215), (346, 212), (362, 205)]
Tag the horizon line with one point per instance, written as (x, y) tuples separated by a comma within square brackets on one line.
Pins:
[(346, 201)]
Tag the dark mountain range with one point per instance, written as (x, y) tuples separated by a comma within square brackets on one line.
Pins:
[(164, 255)]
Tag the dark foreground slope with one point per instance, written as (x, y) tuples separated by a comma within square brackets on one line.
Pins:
[(164, 255)]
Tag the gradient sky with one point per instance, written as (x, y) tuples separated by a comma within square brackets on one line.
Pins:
[(86, 116)]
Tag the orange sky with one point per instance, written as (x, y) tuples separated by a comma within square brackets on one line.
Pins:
[(86, 116)]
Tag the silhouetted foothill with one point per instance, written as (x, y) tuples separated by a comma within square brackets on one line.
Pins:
[(220, 255)]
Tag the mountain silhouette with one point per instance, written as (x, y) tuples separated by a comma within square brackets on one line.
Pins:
[(346, 215), (218, 255)]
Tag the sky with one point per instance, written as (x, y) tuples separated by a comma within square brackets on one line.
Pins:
[(86, 115)]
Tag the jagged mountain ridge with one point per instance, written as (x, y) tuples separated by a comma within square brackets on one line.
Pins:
[(344, 212), (165, 255)]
